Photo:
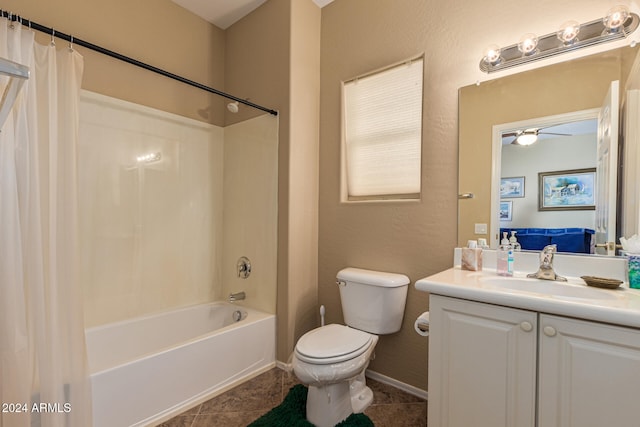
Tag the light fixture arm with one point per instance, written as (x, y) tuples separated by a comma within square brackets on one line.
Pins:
[(590, 34)]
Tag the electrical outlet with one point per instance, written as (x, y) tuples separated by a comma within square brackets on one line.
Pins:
[(481, 228)]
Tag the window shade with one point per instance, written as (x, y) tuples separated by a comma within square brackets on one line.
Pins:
[(383, 132)]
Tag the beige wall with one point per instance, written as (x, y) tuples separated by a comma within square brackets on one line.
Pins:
[(157, 32), (273, 54), (302, 289), (412, 238)]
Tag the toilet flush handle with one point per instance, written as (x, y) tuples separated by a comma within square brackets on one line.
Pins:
[(341, 283)]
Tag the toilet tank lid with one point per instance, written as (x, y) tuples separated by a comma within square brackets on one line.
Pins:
[(374, 278)]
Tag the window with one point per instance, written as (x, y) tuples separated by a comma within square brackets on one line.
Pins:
[(382, 123)]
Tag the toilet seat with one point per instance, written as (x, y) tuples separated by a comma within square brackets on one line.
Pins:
[(332, 344)]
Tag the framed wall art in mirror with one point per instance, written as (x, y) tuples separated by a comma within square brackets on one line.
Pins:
[(567, 190), (506, 210), (512, 187)]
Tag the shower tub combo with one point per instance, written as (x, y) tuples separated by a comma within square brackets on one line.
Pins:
[(147, 369)]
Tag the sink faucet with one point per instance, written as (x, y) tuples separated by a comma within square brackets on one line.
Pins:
[(237, 296), (545, 271)]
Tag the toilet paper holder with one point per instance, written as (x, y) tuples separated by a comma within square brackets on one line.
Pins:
[(423, 327), (421, 324)]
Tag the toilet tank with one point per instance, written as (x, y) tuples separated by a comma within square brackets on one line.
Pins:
[(372, 301)]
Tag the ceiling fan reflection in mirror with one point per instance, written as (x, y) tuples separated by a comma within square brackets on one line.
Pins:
[(528, 136)]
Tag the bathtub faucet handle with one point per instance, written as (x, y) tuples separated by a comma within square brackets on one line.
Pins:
[(243, 267), (238, 296)]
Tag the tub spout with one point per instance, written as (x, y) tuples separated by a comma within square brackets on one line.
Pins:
[(238, 296)]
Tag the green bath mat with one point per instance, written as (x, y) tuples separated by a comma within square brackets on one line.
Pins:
[(292, 413)]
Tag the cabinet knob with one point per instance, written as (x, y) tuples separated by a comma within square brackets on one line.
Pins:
[(549, 331), (526, 326)]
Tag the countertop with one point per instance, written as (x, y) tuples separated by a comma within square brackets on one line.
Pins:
[(619, 306)]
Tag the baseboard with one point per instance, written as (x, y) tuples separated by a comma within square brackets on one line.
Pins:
[(397, 384), (284, 366), (375, 376)]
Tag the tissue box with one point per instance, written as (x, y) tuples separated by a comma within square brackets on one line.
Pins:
[(471, 259), (634, 270)]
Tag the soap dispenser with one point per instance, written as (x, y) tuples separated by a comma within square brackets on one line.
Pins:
[(505, 257), (514, 242)]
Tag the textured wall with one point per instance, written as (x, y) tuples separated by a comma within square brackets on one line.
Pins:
[(273, 54), (413, 238), (157, 32)]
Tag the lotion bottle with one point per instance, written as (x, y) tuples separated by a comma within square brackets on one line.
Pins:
[(513, 241), (505, 257)]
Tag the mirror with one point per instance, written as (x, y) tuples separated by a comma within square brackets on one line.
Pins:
[(574, 86)]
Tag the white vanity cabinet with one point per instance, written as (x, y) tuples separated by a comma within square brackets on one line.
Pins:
[(589, 374), (494, 366), (482, 364)]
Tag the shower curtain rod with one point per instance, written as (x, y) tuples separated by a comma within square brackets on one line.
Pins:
[(75, 41)]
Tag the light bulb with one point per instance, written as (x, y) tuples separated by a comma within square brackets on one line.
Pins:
[(616, 17), (491, 54), (528, 44), (527, 138), (149, 157), (568, 32)]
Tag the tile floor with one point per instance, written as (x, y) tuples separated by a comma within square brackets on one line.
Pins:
[(245, 403)]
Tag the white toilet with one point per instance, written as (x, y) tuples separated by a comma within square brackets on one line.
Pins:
[(331, 360)]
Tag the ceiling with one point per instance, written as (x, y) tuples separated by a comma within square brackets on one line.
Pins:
[(224, 13), (581, 127)]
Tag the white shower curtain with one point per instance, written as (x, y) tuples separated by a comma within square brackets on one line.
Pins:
[(43, 366)]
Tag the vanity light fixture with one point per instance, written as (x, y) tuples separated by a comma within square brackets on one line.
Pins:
[(149, 157), (618, 24)]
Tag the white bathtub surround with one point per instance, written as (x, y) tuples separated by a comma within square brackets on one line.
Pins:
[(168, 232), (250, 210), (148, 369), (151, 232), (42, 351)]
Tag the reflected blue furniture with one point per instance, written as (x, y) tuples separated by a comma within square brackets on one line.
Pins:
[(578, 240)]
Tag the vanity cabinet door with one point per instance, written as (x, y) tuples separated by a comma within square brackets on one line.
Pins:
[(589, 374), (482, 365)]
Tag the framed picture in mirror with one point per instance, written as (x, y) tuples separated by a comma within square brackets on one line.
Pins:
[(506, 210), (567, 190), (512, 187)]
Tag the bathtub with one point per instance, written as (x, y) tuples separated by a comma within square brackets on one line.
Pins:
[(147, 369)]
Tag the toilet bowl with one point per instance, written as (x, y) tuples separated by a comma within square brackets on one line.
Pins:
[(332, 360)]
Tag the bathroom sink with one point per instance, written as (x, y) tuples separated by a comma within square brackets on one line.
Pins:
[(561, 290)]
